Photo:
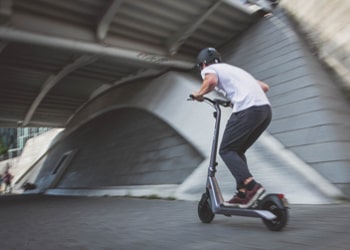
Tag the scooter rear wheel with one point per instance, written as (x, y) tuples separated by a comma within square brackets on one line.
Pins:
[(204, 209), (281, 216)]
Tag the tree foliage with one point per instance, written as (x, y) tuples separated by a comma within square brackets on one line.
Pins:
[(3, 148)]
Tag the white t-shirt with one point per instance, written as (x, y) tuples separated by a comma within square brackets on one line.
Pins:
[(240, 87)]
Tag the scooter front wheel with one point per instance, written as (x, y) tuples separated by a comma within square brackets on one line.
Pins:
[(204, 209), (276, 206)]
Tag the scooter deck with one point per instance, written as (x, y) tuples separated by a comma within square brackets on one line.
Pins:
[(249, 212)]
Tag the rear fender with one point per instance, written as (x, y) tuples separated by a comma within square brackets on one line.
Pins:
[(282, 203)]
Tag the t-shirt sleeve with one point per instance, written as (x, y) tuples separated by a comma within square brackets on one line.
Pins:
[(207, 70)]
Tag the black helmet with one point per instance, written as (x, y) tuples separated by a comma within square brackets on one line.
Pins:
[(208, 56)]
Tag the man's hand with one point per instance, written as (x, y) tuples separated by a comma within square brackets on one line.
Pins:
[(265, 87), (197, 97)]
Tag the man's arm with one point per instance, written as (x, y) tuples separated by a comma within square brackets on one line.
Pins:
[(265, 87), (209, 83)]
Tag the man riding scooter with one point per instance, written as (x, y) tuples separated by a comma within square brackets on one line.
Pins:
[(250, 117)]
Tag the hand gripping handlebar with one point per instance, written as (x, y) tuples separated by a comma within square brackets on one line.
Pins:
[(221, 102)]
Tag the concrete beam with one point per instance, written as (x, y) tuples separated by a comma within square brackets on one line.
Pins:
[(53, 80), (107, 19), (5, 10), (9, 34), (175, 41)]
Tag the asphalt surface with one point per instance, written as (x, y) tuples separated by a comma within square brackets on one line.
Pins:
[(58, 222)]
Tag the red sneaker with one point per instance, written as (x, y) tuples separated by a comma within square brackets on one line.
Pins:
[(254, 194), (236, 200), (248, 201)]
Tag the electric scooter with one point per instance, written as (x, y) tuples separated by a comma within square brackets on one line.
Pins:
[(271, 208)]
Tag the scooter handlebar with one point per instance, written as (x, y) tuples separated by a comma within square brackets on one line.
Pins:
[(221, 102)]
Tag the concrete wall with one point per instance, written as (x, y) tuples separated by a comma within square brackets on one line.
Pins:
[(311, 116), (326, 24), (126, 146)]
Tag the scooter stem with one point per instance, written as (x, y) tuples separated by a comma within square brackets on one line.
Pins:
[(214, 148)]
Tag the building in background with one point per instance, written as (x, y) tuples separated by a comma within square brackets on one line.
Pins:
[(14, 139)]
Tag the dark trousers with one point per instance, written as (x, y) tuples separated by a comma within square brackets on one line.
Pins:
[(242, 130)]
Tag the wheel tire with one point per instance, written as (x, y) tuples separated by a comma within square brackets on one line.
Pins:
[(281, 216), (204, 209)]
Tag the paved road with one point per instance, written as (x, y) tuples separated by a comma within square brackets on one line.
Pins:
[(51, 222)]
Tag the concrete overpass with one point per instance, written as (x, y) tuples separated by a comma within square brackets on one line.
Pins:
[(58, 55), (116, 77)]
